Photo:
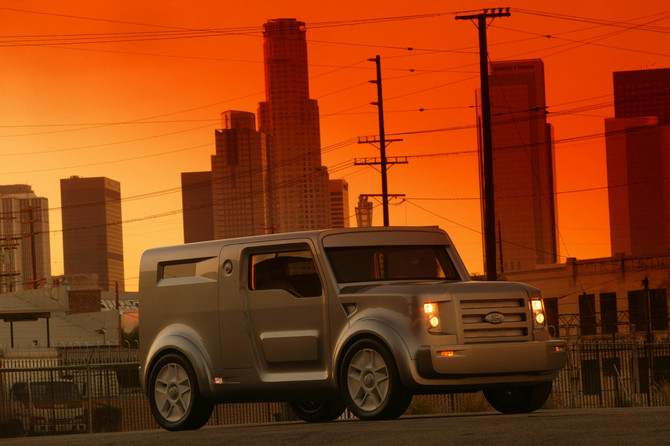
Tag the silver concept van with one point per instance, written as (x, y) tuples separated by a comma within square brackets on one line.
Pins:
[(360, 318)]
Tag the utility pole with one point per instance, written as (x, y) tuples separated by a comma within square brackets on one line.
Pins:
[(382, 142), (489, 206), (35, 282)]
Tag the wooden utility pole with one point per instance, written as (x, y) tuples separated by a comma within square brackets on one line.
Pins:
[(35, 282), (382, 142), (487, 149)]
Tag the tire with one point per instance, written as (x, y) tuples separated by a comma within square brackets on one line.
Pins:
[(174, 395), (520, 399), (370, 383), (318, 411)]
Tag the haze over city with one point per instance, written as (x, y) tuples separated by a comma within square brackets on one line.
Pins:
[(134, 92)]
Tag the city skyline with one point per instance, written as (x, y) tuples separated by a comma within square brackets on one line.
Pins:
[(142, 112)]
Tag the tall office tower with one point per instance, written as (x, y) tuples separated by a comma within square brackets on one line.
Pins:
[(339, 203), (300, 198), (240, 182), (642, 93), (196, 199), (523, 166), (92, 229), (638, 162), (25, 257)]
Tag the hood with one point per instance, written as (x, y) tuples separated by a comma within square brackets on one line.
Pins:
[(444, 291)]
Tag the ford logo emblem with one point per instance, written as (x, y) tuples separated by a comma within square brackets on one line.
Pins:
[(494, 318)]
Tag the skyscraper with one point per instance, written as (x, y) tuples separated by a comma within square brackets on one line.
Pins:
[(25, 257), (92, 229), (196, 199), (642, 93), (523, 166), (240, 182), (300, 192), (638, 162), (339, 203)]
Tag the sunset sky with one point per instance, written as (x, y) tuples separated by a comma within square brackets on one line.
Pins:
[(134, 90)]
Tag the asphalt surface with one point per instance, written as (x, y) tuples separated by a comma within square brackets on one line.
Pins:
[(624, 426)]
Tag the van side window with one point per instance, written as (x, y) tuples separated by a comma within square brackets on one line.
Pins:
[(293, 271)]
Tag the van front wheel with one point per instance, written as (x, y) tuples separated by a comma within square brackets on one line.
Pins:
[(370, 383), (176, 403)]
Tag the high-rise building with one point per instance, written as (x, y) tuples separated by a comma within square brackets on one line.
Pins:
[(642, 93), (25, 257), (339, 203), (300, 192), (638, 162), (92, 229), (240, 182), (523, 166), (196, 190)]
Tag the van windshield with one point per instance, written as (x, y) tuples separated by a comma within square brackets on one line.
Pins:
[(381, 263)]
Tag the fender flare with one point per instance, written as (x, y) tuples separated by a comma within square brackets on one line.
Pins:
[(376, 329), (183, 340)]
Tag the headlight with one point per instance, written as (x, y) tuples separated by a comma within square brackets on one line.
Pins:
[(539, 318), (432, 315)]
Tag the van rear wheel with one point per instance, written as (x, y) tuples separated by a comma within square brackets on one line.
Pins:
[(370, 383), (520, 399), (318, 411), (176, 403)]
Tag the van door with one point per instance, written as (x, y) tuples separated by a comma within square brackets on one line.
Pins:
[(285, 306)]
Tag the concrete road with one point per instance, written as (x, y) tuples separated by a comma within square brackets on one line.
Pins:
[(625, 426)]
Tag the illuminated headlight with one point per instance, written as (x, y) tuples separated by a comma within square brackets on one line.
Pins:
[(432, 316), (539, 317)]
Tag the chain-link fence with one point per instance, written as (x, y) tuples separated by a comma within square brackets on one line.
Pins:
[(97, 390)]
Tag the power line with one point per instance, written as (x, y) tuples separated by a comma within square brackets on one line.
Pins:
[(288, 161), (602, 22)]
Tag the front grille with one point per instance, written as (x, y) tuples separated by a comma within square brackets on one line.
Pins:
[(512, 315)]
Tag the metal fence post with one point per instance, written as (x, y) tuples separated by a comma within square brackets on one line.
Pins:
[(89, 397)]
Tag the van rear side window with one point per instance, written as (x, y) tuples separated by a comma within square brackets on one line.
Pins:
[(188, 268)]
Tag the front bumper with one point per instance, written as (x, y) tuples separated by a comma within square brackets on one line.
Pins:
[(494, 359)]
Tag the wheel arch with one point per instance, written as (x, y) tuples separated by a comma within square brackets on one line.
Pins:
[(182, 340), (387, 336)]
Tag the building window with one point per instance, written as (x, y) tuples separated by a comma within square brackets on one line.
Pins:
[(637, 310), (608, 313), (587, 314), (658, 302), (659, 309)]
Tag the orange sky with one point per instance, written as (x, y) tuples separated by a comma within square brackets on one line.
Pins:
[(144, 110)]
